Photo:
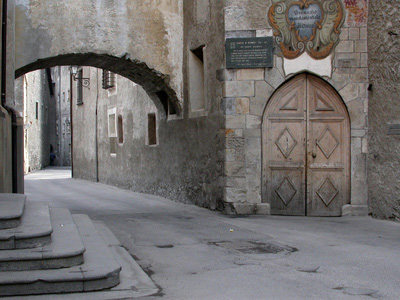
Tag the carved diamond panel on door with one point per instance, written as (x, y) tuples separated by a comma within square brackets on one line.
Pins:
[(286, 191), (327, 192), (306, 149), (286, 142), (327, 142)]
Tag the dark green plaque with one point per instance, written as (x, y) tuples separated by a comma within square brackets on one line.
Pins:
[(249, 53), (394, 129)]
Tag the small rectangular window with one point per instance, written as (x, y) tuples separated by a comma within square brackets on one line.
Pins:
[(197, 93), (171, 108), (79, 96), (112, 126), (120, 130), (108, 80), (152, 129), (37, 110)]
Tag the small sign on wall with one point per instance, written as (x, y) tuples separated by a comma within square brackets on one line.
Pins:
[(394, 129), (249, 53)]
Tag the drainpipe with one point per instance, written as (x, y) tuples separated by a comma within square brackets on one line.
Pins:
[(59, 119), (96, 121), (4, 54), (71, 124)]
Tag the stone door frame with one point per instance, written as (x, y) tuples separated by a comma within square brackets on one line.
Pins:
[(246, 95)]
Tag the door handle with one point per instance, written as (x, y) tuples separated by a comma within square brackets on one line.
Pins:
[(314, 155)]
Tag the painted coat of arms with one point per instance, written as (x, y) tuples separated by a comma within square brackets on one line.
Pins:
[(306, 25)]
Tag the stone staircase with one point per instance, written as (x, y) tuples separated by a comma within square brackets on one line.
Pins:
[(50, 251)]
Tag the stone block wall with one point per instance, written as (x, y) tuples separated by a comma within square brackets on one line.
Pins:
[(384, 109), (37, 102), (247, 91)]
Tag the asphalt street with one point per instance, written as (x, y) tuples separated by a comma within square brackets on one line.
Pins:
[(194, 253)]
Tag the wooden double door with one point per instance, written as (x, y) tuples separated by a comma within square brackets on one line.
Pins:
[(306, 149)]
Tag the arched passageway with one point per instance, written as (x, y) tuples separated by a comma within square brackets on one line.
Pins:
[(154, 83), (140, 41)]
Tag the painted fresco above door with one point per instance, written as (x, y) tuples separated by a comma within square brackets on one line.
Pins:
[(311, 26)]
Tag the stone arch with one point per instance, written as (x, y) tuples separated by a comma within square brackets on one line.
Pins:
[(282, 82), (153, 82)]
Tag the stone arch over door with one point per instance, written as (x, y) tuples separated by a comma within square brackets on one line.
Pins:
[(306, 149)]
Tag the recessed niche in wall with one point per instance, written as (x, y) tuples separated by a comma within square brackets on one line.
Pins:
[(120, 130), (197, 95), (112, 122), (152, 129), (79, 90)]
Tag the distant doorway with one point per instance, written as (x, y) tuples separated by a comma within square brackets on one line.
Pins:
[(306, 149)]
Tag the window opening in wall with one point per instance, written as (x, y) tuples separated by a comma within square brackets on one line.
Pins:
[(112, 123), (120, 130), (167, 104), (79, 96), (196, 79), (112, 130), (152, 129), (37, 110), (108, 80), (171, 109)]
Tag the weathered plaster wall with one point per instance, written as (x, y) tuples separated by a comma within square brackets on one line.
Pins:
[(187, 162), (37, 144), (61, 136), (84, 129), (142, 40), (247, 91), (384, 109), (182, 166)]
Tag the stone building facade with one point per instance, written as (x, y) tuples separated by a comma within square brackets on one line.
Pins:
[(37, 109), (247, 93), (60, 132), (294, 136), (42, 98)]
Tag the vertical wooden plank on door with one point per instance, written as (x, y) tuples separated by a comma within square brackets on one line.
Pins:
[(328, 151), (284, 149)]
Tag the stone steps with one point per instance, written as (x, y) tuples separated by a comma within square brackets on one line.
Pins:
[(65, 250), (34, 230), (53, 254), (11, 210), (99, 271)]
